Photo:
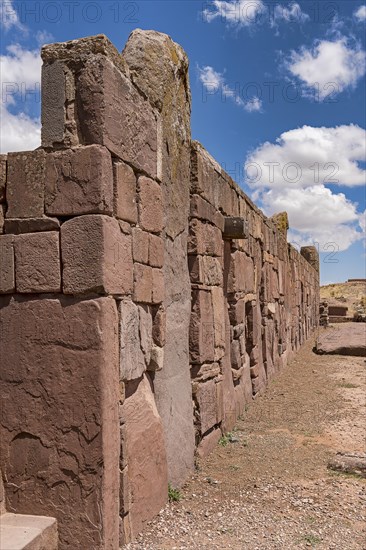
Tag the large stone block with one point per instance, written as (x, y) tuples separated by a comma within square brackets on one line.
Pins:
[(7, 264), (25, 184), (79, 181), (241, 274), (3, 178), (159, 327), (132, 360), (142, 283), (112, 113), (17, 226), (150, 205), (59, 423), (203, 210), (218, 306), (205, 270), (96, 256), (201, 331), (207, 403), (143, 438), (140, 245), (204, 239), (37, 260), (156, 251), (125, 192)]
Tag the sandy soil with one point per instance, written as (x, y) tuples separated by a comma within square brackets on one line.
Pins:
[(270, 487)]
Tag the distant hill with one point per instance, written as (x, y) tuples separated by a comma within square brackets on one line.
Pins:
[(351, 294)]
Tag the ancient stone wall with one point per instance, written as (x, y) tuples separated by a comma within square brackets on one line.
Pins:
[(134, 330)]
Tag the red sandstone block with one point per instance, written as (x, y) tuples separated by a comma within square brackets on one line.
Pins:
[(79, 181), (158, 289), (156, 251), (205, 270), (2, 177), (202, 209), (7, 265), (143, 283), (25, 184), (143, 434), (17, 226), (208, 443), (201, 331), (2, 216), (207, 403), (96, 256), (204, 239), (125, 192), (140, 245), (150, 205), (219, 313), (37, 260), (241, 274), (113, 113), (159, 327)]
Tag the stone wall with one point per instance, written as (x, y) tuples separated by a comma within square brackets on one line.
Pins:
[(134, 330)]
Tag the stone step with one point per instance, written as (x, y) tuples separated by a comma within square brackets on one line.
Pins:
[(20, 532)]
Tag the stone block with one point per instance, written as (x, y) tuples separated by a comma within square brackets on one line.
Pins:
[(37, 260), (2, 218), (218, 307), (7, 264), (96, 256), (3, 178), (207, 403), (205, 270), (142, 432), (25, 184), (17, 226), (150, 205), (241, 274), (203, 210), (200, 373), (143, 283), (125, 192), (145, 332), (132, 360), (140, 245), (157, 359), (112, 113), (79, 181), (59, 405), (159, 327), (158, 286), (204, 239), (201, 331), (208, 443), (156, 251)]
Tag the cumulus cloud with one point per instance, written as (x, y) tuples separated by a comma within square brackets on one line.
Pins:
[(246, 13), (309, 155), (215, 83), (329, 67), (241, 12), (20, 80), (9, 17), (360, 13), (316, 213)]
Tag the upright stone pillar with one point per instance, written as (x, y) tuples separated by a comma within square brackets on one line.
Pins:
[(159, 68)]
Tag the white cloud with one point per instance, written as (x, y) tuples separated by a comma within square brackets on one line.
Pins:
[(306, 156), (289, 14), (241, 12), (20, 79), (316, 214), (329, 67), (18, 132), (360, 13), (9, 17), (214, 82)]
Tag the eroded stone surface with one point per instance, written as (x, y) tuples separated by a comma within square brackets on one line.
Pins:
[(60, 361), (25, 184)]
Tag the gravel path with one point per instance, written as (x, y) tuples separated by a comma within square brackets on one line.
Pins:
[(269, 488)]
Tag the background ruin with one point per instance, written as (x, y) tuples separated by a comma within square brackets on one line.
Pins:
[(133, 330)]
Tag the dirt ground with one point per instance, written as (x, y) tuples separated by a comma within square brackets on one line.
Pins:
[(269, 487)]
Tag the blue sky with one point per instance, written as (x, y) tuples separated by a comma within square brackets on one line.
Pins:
[(278, 98)]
